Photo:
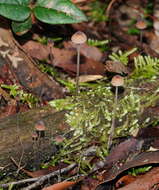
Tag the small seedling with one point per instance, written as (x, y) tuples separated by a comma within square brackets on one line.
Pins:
[(116, 81), (78, 38)]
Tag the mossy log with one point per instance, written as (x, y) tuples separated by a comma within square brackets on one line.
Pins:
[(16, 136)]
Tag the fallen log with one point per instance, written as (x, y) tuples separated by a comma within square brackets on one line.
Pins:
[(17, 140)]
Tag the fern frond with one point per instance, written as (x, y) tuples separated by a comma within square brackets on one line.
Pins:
[(93, 42), (122, 56), (145, 67)]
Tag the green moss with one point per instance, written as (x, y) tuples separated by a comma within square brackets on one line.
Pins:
[(90, 115)]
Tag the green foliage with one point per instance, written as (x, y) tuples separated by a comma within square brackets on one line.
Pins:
[(145, 67), (97, 12), (98, 43), (122, 56), (52, 72), (22, 27), (47, 11), (15, 92), (48, 69), (133, 31), (45, 40), (137, 171), (90, 115), (93, 109)]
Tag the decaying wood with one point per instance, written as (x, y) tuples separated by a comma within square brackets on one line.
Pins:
[(16, 136), (24, 69)]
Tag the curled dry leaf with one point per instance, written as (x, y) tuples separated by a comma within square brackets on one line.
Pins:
[(125, 180), (144, 182), (139, 160)]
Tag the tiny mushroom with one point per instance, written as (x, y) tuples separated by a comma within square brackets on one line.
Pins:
[(78, 38), (116, 81), (40, 128), (141, 25), (34, 136)]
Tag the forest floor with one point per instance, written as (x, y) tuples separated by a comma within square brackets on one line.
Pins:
[(95, 128)]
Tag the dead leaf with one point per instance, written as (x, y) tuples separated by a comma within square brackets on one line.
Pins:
[(66, 59), (60, 186), (125, 180), (87, 78), (37, 50), (45, 171), (144, 182), (88, 51), (139, 160), (116, 67)]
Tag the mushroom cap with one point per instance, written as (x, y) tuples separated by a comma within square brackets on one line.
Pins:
[(79, 38), (117, 80), (34, 135), (141, 24), (40, 126)]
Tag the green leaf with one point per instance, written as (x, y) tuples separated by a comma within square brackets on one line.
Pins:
[(21, 28), (51, 16), (70, 9), (14, 12), (63, 6), (15, 2)]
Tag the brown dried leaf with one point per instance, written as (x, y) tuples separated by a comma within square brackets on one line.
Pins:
[(37, 50), (60, 186), (88, 51), (116, 67), (125, 180), (45, 171), (139, 160), (66, 59), (144, 182)]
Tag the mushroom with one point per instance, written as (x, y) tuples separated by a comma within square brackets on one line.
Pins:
[(78, 38), (40, 128), (141, 25), (34, 136), (116, 81)]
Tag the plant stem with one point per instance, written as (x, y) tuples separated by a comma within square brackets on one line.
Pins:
[(112, 129), (78, 68)]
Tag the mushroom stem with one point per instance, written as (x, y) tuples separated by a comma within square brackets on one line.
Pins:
[(112, 129), (78, 68), (141, 36)]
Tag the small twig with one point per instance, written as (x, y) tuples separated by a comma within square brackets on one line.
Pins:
[(39, 180), (16, 164), (3, 167), (109, 7)]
